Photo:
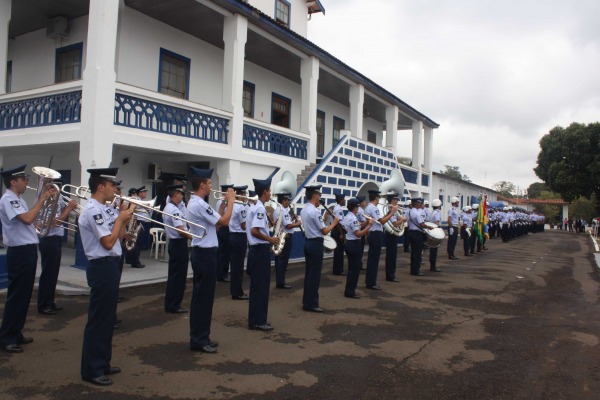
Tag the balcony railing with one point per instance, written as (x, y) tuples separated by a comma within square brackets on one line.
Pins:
[(135, 112), (263, 139)]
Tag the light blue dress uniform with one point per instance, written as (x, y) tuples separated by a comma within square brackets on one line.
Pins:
[(14, 232), (259, 265), (415, 219), (58, 230), (312, 221), (351, 224), (436, 217), (466, 219), (103, 275), (454, 214), (373, 212), (286, 219), (359, 215), (176, 222), (238, 217), (257, 218), (200, 212), (353, 251)]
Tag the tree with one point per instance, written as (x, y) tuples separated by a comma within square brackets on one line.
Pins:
[(505, 188), (534, 191), (454, 172), (569, 161), (404, 160)]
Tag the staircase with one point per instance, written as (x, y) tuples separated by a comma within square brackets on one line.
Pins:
[(305, 173)]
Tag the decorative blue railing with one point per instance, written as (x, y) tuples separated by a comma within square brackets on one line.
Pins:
[(409, 176), (275, 143), (143, 114), (64, 108), (424, 180)]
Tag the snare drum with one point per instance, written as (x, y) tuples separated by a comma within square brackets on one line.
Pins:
[(434, 236), (329, 244)]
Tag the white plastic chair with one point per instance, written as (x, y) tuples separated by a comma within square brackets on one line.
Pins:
[(158, 241)]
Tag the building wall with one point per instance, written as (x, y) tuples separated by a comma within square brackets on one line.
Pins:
[(332, 109), (298, 13), (33, 55)]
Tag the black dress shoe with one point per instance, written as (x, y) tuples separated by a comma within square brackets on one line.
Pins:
[(376, 287), (284, 286), (112, 370), (223, 280), (341, 274), (120, 300), (392, 280), (242, 297), (352, 296), (99, 381), (214, 344), (420, 274), (138, 266), (47, 311), (435, 270), (13, 348), (118, 320), (264, 328), (180, 310), (314, 309), (116, 326), (207, 348), (454, 258), (24, 340), (55, 308)]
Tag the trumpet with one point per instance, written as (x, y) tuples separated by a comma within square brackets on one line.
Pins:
[(217, 194)]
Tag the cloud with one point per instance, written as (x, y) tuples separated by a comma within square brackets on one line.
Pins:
[(496, 75)]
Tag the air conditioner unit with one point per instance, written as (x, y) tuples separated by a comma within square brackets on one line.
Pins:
[(154, 171), (57, 27)]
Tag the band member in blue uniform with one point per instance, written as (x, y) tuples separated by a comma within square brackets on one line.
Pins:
[(289, 224), (338, 235), (391, 241), (466, 229), (21, 240), (51, 254), (223, 237), (178, 249), (259, 257), (434, 216), (363, 222), (238, 243), (353, 247), (204, 257), (453, 216), (375, 238), (101, 233), (133, 256), (314, 229), (416, 224)]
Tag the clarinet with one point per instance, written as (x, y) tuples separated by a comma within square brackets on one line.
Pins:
[(339, 226)]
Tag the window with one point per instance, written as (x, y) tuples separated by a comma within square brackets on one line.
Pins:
[(68, 63), (371, 137), (174, 74), (338, 125), (248, 99), (8, 86), (320, 133), (282, 12), (280, 111)]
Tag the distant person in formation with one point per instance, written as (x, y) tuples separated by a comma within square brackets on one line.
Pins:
[(453, 223), (353, 246), (435, 216), (338, 235)]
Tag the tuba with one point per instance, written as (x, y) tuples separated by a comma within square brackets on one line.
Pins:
[(395, 184), (45, 219)]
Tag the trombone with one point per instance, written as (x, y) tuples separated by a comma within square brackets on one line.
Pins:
[(217, 194), (147, 205)]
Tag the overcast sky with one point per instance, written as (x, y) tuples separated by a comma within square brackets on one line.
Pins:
[(496, 75)]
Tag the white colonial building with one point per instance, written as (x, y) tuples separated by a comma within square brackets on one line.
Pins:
[(159, 85)]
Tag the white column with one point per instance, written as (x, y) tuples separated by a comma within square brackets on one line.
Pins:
[(98, 97), (235, 33), (309, 73), (391, 128), (565, 211), (357, 101), (227, 171), (417, 144), (428, 148), (5, 14)]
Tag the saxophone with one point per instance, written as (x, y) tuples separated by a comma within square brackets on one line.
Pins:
[(279, 232)]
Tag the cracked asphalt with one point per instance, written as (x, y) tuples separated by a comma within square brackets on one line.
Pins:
[(519, 321)]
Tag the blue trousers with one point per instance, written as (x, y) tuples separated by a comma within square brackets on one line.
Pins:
[(259, 268), (452, 239), (50, 252), (313, 254), (391, 253), (178, 268), (281, 261), (21, 262), (238, 243), (354, 252), (338, 253), (416, 248), (375, 243), (223, 253), (204, 265), (103, 277)]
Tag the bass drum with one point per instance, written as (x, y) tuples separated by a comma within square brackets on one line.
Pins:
[(434, 236), (329, 244)]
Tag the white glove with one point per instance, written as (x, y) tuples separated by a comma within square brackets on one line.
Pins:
[(451, 231)]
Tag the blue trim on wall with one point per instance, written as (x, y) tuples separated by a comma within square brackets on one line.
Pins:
[(180, 58), (275, 143), (66, 49), (64, 108)]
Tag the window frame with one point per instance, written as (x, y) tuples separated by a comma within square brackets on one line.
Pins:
[(324, 115), (370, 132), (187, 61), (335, 141), (289, 116), (253, 86), (289, 13), (63, 50)]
